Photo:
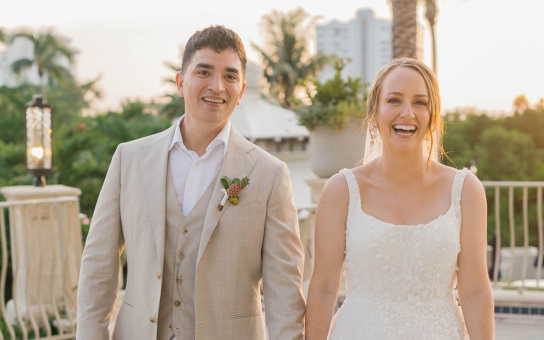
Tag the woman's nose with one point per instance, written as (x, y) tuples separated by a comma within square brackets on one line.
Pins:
[(407, 111)]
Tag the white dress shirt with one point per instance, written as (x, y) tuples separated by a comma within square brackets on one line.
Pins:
[(193, 175)]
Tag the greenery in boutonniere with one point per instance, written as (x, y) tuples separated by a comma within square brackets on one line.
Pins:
[(333, 102), (234, 187)]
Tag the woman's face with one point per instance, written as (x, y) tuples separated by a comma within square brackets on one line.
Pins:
[(403, 110)]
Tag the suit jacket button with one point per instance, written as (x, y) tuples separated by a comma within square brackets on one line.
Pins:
[(184, 231), (177, 303), (171, 328), (179, 280), (152, 319), (159, 275)]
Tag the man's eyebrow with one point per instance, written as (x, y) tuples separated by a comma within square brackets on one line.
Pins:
[(204, 65), (210, 67), (232, 70)]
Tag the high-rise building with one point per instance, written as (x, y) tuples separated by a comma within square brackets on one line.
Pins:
[(365, 40), (22, 48)]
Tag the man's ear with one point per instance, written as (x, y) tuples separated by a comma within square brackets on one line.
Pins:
[(241, 93), (179, 83)]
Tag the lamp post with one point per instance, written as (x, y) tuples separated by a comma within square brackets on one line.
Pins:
[(38, 139)]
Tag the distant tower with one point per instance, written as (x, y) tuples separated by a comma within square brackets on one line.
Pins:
[(366, 40), (23, 48)]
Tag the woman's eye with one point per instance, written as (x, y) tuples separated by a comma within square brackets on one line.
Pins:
[(393, 100), (421, 102)]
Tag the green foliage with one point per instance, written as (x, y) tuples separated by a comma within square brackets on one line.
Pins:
[(286, 58), (334, 102), (503, 149), (48, 47), (83, 157), (175, 106)]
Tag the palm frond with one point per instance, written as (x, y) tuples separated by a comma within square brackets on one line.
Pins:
[(20, 65)]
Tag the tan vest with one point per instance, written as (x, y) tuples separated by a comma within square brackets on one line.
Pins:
[(182, 239)]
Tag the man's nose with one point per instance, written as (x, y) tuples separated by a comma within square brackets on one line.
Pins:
[(216, 84)]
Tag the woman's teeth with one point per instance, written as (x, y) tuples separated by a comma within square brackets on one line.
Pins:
[(405, 130)]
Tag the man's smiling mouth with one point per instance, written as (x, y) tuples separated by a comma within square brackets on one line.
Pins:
[(213, 100)]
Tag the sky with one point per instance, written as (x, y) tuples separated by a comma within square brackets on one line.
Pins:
[(489, 51)]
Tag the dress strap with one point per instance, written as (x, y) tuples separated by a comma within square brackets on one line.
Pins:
[(456, 191), (353, 187)]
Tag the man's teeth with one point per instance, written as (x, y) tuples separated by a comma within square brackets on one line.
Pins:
[(213, 100)]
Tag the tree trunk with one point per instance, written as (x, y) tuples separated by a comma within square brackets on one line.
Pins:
[(430, 14), (433, 44), (404, 28)]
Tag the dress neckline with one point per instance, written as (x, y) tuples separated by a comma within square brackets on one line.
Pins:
[(359, 204), (450, 209)]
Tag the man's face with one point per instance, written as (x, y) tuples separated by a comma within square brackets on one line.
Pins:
[(212, 86)]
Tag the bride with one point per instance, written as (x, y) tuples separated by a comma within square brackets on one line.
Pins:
[(406, 227)]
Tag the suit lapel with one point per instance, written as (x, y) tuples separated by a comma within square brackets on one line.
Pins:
[(237, 163), (153, 163)]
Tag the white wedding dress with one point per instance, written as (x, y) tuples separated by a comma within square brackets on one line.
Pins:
[(400, 278)]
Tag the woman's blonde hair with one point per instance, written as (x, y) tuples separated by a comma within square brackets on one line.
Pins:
[(435, 121)]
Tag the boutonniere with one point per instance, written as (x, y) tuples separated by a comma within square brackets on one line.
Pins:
[(231, 189)]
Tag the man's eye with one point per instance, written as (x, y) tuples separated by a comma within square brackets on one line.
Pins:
[(203, 73), (232, 77)]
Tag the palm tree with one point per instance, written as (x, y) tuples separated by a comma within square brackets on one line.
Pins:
[(47, 50), (286, 57), (3, 36), (404, 28), (431, 10), (175, 106)]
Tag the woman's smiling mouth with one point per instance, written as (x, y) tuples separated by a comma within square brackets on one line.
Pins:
[(404, 130)]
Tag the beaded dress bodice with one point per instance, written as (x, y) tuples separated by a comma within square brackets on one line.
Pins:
[(400, 279)]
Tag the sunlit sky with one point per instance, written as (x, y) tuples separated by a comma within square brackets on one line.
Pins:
[(489, 51)]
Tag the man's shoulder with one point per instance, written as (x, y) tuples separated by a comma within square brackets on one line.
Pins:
[(255, 151), (164, 136), (265, 156)]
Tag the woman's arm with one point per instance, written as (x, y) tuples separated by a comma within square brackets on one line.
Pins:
[(473, 285), (330, 243)]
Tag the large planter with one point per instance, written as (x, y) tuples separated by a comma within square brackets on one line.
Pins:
[(331, 150)]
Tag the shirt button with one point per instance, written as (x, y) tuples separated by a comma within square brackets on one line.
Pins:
[(179, 280), (190, 193), (159, 275), (177, 303), (184, 231), (152, 319)]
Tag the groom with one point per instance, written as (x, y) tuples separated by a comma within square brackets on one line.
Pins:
[(194, 270)]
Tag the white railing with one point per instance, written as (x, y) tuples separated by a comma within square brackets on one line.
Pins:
[(40, 243), (514, 264)]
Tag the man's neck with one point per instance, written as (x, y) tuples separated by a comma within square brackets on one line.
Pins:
[(197, 137)]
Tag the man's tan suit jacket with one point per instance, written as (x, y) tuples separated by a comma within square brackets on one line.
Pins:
[(257, 238)]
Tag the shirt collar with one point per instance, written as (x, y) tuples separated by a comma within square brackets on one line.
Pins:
[(221, 139)]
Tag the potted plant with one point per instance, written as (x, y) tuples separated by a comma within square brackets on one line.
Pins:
[(334, 120)]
